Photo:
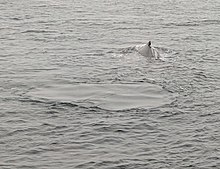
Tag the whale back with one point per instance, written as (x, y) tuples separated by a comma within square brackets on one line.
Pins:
[(145, 50), (148, 51)]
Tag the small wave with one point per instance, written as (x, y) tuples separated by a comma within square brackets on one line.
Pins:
[(39, 31), (186, 24), (107, 139), (128, 50), (194, 23), (49, 103), (210, 21), (21, 131), (59, 104), (16, 19)]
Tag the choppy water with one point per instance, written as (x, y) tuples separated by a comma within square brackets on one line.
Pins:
[(73, 93)]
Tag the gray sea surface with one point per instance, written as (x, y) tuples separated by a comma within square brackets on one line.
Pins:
[(75, 94)]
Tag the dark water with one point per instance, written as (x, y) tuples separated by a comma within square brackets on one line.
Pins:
[(74, 93)]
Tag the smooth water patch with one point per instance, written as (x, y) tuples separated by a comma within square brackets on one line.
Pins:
[(107, 96)]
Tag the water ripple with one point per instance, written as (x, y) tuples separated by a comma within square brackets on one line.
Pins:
[(75, 93)]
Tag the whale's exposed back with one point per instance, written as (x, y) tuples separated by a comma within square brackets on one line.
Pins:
[(148, 51)]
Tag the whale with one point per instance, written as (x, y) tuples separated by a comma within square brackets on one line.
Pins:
[(148, 51)]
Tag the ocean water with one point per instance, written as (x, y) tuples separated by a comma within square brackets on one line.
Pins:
[(75, 94)]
